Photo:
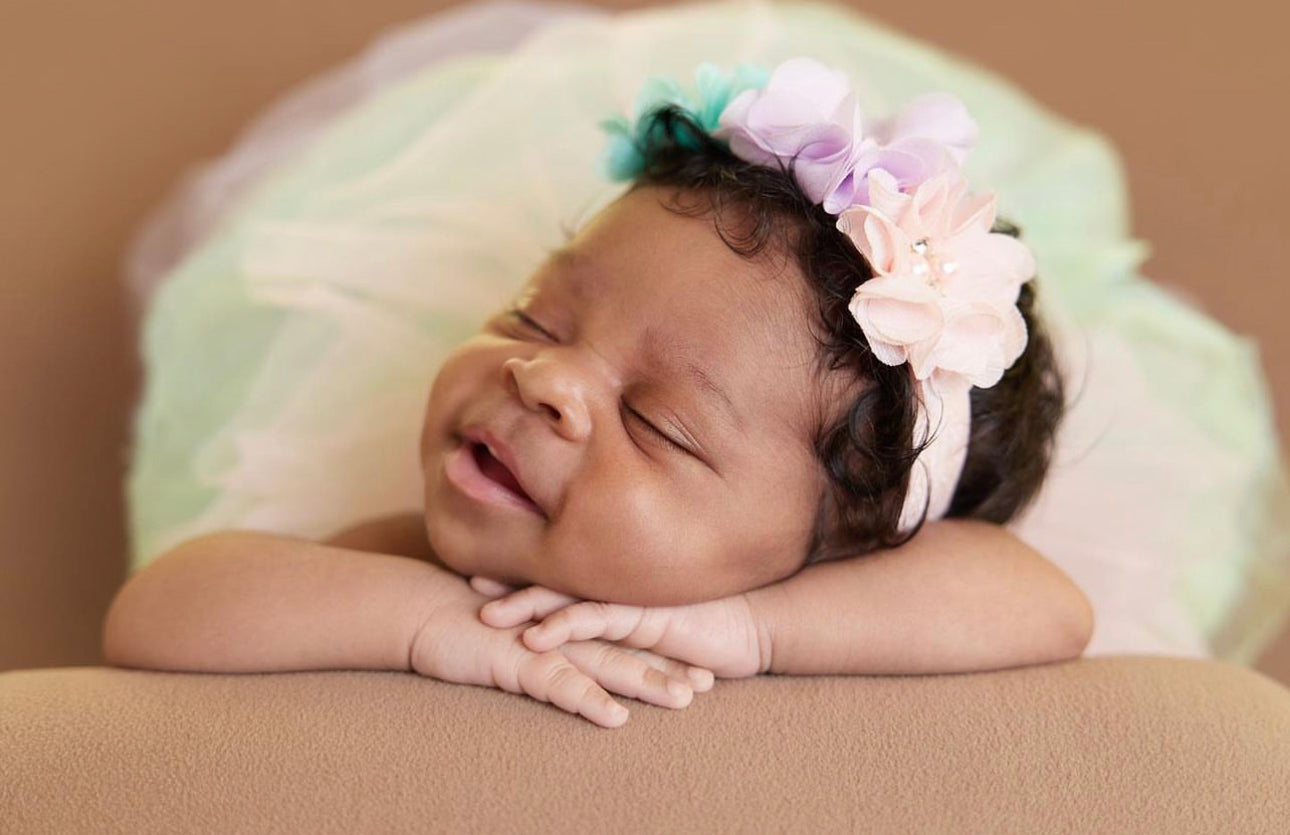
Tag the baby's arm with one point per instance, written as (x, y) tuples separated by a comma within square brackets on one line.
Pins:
[(960, 596), (241, 601)]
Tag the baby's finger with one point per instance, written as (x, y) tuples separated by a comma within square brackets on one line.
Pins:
[(590, 619), (550, 677), (621, 672), (700, 678), (532, 603), (489, 588)]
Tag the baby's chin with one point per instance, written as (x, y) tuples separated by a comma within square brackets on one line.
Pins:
[(651, 590), (585, 583), (470, 563), (630, 582), (482, 559), (466, 550)]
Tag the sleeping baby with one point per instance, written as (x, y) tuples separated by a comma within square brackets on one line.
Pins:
[(766, 412)]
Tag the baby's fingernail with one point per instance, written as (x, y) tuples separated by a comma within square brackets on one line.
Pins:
[(678, 689), (702, 679), (618, 714)]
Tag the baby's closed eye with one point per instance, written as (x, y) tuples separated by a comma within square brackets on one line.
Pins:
[(653, 431), (530, 323)]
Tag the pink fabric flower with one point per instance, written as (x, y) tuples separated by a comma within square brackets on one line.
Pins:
[(945, 287), (806, 114)]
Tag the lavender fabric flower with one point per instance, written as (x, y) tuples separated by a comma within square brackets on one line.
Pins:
[(928, 137), (806, 116)]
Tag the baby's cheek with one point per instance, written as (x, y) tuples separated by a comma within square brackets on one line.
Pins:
[(761, 560), (639, 544), (449, 390), (781, 501)]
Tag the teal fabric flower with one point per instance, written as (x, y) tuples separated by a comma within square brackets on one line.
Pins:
[(631, 139)]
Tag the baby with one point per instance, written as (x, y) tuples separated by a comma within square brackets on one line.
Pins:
[(730, 411)]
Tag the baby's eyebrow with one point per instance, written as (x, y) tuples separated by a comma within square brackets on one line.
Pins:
[(654, 348), (707, 384), (577, 269)]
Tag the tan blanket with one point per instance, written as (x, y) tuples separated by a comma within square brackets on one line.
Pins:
[(1145, 744)]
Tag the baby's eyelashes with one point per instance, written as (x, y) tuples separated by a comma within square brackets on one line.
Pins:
[(532, 324), (653, 431)]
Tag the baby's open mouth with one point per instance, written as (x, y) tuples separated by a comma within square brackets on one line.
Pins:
[(496, 471)]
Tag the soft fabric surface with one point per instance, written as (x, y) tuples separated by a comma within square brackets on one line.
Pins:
[(1107, 745)]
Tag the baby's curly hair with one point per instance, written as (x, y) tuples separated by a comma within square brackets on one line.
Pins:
[(868, 452)]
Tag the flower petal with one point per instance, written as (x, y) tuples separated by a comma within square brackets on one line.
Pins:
[(716, 88), (896, 312), (806, 116), (992, 268), (922, 358), (657, 92), (838, 196), (974, 214), (879, 240), (808, 80), (978, 342), (887, 353), (884, 191), (940, 117)]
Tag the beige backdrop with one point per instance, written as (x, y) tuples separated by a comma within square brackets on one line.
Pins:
[(106, 104)]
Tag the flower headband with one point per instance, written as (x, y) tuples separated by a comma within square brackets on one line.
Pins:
[(944, 293)]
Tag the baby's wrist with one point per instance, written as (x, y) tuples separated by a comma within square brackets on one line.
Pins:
[(766, 607), (444, 597)]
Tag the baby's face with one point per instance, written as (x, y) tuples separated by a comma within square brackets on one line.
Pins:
[(639, 428)]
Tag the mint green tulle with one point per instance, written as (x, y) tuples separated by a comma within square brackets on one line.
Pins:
[(288, 356)]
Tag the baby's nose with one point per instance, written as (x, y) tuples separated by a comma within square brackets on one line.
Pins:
[(554, 389)]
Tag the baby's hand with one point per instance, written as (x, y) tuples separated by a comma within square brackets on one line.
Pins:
[(720, 635), (453, 645)]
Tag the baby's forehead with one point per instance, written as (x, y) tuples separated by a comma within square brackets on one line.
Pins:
[(684, 289), (652, 239)]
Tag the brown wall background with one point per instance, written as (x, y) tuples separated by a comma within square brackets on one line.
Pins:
[(104, 105)]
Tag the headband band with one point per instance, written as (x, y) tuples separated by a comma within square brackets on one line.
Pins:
[(943, 297)]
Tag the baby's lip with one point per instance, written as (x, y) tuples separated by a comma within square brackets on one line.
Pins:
[(503, 453)]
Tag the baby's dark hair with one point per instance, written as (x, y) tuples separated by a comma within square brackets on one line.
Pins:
[(867, 452)]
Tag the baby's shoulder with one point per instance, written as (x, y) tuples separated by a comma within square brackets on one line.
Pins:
[(403, 534)]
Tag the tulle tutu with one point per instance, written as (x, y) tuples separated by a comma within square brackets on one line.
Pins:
[(302, 290)]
